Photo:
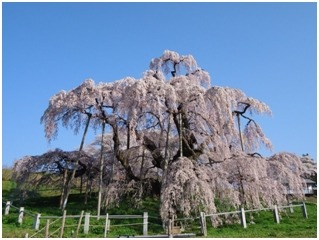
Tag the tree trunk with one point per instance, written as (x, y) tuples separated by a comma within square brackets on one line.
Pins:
[(180, 135), (101, 172), (128, 136), (65, 174), (67, 186), (119, 154), (240, 134), (166, 157)]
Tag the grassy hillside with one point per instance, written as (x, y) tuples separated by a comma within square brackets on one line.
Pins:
[(46, 203)]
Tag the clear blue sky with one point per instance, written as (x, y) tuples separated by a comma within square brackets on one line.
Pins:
[(268, 50)]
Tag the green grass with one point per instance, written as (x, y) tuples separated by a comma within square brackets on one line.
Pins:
[(292, 225)]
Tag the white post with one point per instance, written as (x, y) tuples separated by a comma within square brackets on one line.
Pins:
[(203, 224), (6, 211), (21, 211), (145, 223), (291, 208), (243, 218), (276, 215), (106, 224), (304, 210), (36, 222), (86, 223), (169, 228)]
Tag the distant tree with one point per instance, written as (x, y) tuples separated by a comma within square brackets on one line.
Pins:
[(173, 135), (310, 167)]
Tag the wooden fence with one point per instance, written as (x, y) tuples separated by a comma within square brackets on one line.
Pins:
[(242, 213), (87, 224), (57, 224)]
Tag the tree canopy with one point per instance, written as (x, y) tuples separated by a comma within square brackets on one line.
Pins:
[(172, 134)]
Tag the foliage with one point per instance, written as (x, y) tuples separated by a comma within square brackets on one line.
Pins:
[(172, 135)]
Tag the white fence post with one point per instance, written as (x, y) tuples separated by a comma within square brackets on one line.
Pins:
[(36, 222), (243, 218), (145, 223), (6, 211), (291, 208), (20, 218), (106, 225), (203, 224), (170, 228), (304, 210), (276, 215), (86, 223)]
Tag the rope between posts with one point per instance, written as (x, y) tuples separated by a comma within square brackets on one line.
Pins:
[(155, 224), (256, 210), (298, 205), (130, 224), (26, 212), (179, 219), (217, 214), (155, 217), (14, 207)]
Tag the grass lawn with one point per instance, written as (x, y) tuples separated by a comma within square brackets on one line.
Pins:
[(292, 225)]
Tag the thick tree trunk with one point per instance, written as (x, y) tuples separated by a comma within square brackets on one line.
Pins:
[(120, 155), (186, 138)]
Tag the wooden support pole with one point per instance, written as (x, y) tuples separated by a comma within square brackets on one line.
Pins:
[(36, 222), (106, 225), (63, 224), (145, 223), (20, 218), (7, 209), (243, 218), (276, 214), (79, 224), (304, 210), (47, 226), (86, 223)]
